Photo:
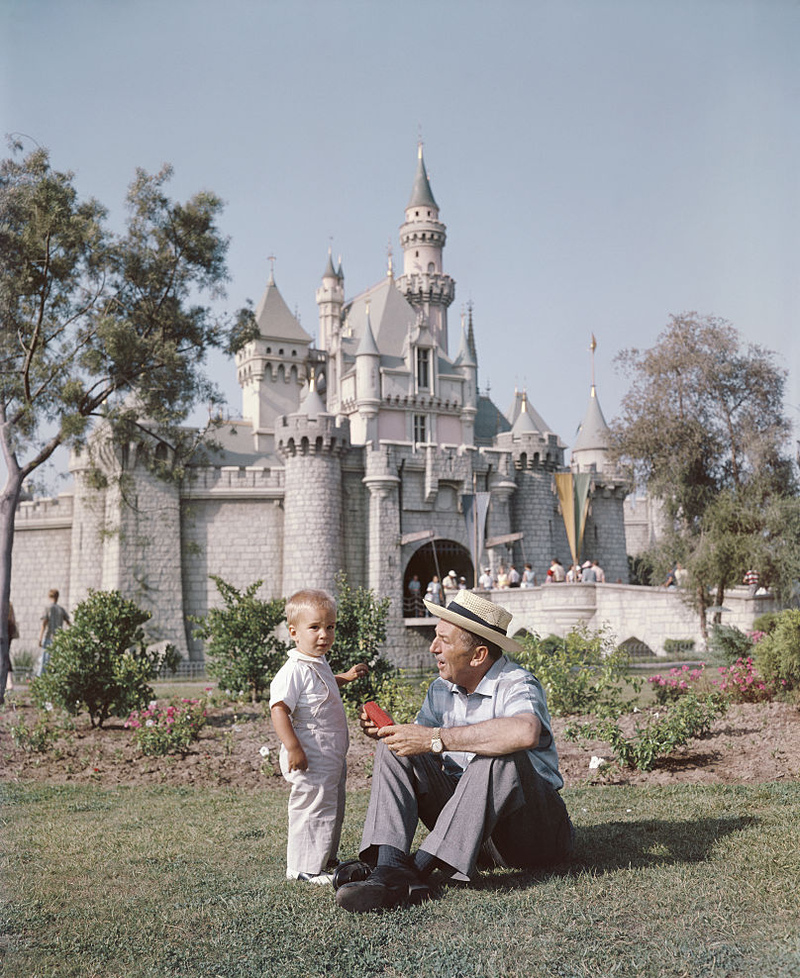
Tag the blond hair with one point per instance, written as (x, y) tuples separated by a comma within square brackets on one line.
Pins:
[(309, 599)]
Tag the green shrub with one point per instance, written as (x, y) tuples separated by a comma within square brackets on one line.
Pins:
[(678, 646), (170, 730), (766, 622), (102, 662), (401, 699), (360, 633), (37, 739), (778, 653), (727, 643), (689, 717), (582, 673), (242, 651)]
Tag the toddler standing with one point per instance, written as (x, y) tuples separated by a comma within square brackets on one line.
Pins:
[(309, 719)]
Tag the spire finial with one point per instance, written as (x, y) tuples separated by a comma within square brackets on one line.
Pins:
[(271, 259), (593, 347), (390, 266)]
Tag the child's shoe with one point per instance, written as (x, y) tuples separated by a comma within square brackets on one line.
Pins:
[(319, 879)]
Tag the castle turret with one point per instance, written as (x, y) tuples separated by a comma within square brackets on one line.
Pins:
[(604, 535), (273, 368), (423, 237), (368, 382), (467, 366), (311, 445), (330, 299)]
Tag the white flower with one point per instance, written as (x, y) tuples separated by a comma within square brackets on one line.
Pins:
[(48, 706), (152, 704), (150, 723), (597, 762), (264, 751)]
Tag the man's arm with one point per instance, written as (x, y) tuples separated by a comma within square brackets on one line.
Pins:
[(490, 738)]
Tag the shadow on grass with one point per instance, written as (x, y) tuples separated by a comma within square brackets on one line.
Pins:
[(614, 846)]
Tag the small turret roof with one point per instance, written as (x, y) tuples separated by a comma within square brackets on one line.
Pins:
[(312, 405), (593, 434), (330, 271), (421, 193), (368, 346), (274, 318), (524, 421), (465, 357)]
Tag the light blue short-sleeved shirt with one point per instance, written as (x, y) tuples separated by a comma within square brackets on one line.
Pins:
[(505, 691)]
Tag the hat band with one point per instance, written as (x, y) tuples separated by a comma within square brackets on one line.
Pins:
[(459, 609)]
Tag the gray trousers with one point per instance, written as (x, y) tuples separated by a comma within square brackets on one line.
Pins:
[(502, 798)]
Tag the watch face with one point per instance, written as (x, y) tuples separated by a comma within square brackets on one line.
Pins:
[(436, 745)]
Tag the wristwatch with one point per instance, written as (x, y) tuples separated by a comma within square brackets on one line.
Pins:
[(436, 742)]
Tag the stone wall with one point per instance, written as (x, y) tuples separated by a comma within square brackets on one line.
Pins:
[(645, 614), (237, 539), (40, 561)]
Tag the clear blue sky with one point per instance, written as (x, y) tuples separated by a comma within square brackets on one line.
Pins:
[(599, 164)]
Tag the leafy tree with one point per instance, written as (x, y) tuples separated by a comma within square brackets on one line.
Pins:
[(101, 663), (704, 428), (360, 634), (242, 650), (99, 326)]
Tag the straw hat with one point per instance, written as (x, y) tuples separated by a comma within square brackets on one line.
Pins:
[(477, 615)]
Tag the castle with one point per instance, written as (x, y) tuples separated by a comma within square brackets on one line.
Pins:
[(370, 452)]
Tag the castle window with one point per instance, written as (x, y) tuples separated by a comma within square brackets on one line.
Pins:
[(431, 268), (420, 428), (423, 369)]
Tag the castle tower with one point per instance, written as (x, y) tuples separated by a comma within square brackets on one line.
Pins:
[(368, 383), (273, 368), (311, 445), (536, 453), (467, 366), (604, 536), (423, 237)]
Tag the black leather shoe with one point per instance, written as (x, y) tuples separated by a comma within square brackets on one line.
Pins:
[(352, 871), (385, 888)]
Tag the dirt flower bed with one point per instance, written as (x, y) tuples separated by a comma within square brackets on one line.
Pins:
[(751, 743)]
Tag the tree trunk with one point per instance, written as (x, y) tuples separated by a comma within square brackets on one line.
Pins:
[(702, 604), (8, 508)]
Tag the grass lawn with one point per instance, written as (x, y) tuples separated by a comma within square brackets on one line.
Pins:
[(160, 881)]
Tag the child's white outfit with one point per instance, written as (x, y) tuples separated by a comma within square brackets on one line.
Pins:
[(307, 685)]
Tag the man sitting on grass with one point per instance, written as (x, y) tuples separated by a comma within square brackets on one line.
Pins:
[(478, 767)]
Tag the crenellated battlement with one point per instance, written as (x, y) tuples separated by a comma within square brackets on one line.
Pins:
[(298, 434), (49, 513), (234, 480)]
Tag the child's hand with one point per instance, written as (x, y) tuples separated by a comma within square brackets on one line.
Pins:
[(297, 759), (357, 671)]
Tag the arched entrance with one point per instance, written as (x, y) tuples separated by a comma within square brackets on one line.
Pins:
[(438, 557)]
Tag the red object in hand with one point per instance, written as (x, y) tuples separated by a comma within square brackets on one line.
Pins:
[(378, 716)]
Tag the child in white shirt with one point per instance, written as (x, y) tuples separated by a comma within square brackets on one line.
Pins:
[(309, 718)]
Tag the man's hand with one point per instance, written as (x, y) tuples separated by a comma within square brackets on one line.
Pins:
[(407, 739)]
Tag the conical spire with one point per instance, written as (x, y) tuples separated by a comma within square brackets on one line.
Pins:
[(594, 434), (421, 193), (312, 405), (330, 271), (368, 345)]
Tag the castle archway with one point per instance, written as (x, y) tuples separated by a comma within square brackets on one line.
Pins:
[(437, 557)]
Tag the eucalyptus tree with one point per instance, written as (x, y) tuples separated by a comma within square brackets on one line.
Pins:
[(97, 326)]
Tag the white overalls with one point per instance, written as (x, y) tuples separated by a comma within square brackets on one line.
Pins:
[(307, 686)]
